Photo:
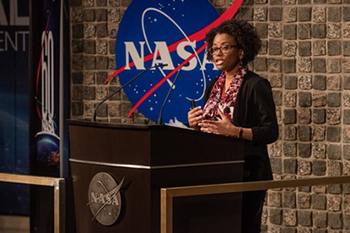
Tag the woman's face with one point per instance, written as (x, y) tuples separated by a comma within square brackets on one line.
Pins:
[(226, 54)]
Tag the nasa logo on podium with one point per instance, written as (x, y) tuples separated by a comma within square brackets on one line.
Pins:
[(104, 198), (165, 32)]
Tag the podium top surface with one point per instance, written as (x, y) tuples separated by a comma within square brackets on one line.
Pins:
[(116, 125), (149, 145), (121, 126)]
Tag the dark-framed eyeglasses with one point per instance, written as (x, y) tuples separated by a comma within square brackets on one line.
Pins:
[(224, 49)]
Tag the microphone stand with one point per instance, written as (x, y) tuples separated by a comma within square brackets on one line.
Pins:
[(119, 89), (166, 98)]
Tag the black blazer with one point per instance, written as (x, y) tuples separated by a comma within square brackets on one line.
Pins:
[(255, 109)]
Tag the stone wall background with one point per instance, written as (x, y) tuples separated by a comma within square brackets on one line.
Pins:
[(306, 57)]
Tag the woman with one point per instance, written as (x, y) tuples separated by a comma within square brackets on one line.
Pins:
[(239, 104)]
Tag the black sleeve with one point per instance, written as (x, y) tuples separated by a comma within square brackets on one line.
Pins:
[(267, 131)]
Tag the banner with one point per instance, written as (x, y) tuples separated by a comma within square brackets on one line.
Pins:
[(49, 104), (14, 103), (46, 88)]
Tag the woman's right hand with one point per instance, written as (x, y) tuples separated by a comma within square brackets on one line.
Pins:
[(195, 117)]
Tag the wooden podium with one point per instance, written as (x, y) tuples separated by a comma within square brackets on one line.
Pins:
[(149, 158)]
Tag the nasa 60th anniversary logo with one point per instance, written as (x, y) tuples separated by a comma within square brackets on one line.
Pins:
[(104, 198)]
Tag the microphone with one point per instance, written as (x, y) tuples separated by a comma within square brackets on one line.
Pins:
[(193, 103), (166, 98), (160, 65)]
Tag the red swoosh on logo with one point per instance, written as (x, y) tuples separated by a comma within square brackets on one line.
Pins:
[(229, 13), (197, 36)]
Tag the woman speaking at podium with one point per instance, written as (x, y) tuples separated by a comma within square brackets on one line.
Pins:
[(239, 104)]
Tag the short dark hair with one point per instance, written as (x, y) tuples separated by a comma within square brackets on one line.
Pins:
[(244, 33)]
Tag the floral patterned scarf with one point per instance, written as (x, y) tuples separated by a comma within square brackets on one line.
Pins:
[(225, 102)]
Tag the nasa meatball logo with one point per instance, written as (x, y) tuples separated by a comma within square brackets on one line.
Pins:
[(104, 198), (157, 32)]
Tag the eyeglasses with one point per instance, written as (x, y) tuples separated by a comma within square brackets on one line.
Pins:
[(224, 49)]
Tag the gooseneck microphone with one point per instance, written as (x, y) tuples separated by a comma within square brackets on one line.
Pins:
[(160, 65), (166, 98)]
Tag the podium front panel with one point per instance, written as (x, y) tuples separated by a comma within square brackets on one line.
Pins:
[(149, 158), (140, 197)]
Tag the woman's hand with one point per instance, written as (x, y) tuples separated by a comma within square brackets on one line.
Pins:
[(222, 127), (195, 117)]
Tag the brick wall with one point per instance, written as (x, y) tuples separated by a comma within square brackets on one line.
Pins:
[(306, 57)]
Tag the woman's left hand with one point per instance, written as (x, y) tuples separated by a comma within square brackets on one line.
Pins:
[(222, 127)]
